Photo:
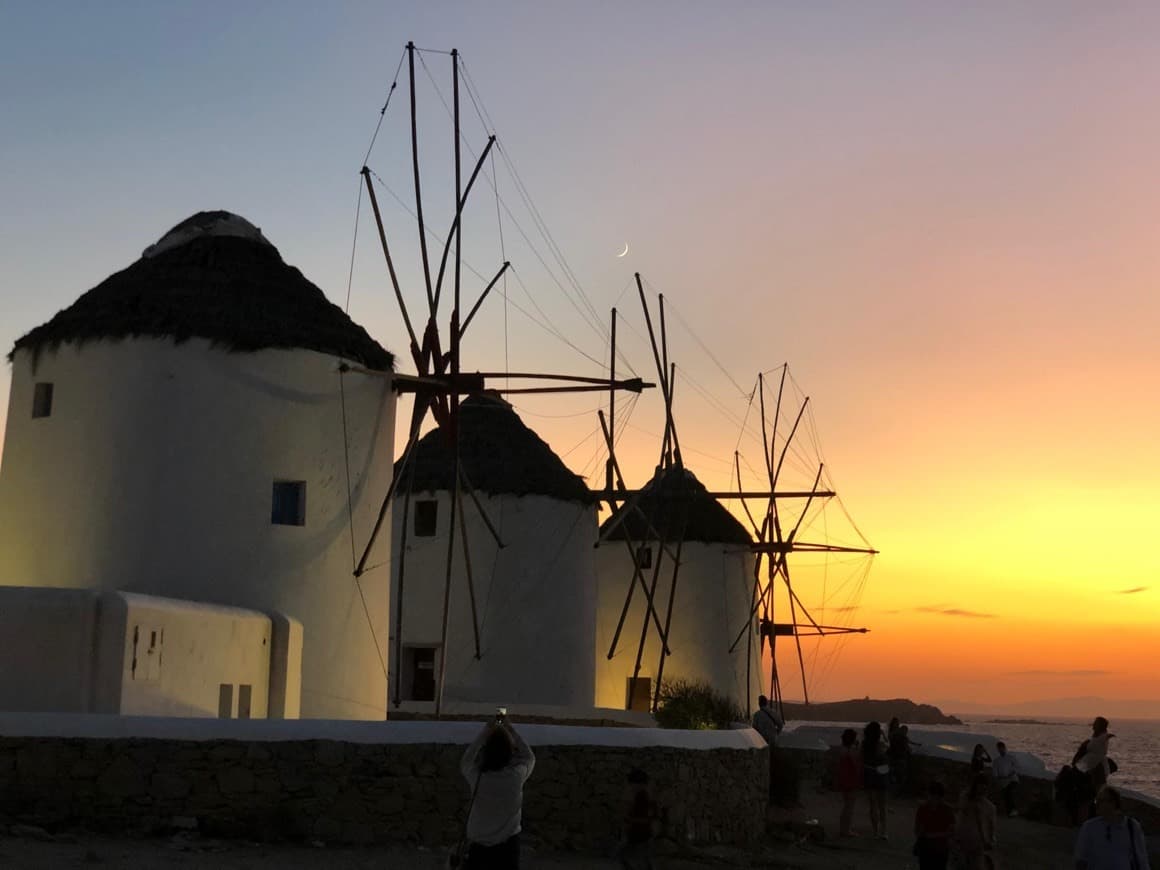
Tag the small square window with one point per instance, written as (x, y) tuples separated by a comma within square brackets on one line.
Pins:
[(644, 557), (289, 503), (426, 518), (42, 400)]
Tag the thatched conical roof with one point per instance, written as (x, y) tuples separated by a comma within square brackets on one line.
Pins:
[(213, 276), (679, 507), (500, 455)]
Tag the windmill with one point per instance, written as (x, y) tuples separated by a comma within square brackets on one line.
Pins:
[(440, 381), (662, 512)]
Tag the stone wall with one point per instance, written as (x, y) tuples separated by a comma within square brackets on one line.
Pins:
[(364, 792)]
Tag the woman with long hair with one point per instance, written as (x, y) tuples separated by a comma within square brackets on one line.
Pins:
[(980, 759), (496, 766)]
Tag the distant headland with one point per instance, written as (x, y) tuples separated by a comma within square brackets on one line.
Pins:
[(867, 709)]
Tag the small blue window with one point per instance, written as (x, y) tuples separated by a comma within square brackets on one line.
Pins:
[(289, 503)]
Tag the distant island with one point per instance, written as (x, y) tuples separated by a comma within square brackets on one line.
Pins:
[(1018, 722), (868, 709)]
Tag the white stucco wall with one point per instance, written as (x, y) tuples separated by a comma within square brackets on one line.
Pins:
[(47, 639), (175, 655), (713, 600), (154, 474), (535, 600), (285, 667), (79, 650)]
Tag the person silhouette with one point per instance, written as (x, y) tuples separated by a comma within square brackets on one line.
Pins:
[(496, 766)]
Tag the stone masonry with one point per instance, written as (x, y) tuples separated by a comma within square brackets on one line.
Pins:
[(340, 792)]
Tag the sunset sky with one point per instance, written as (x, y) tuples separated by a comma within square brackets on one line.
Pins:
[(944, 217)]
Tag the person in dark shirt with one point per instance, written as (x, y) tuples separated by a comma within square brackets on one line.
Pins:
[(1110, 838), (899, 753), (934, 823), (639, 817), (849, 780)]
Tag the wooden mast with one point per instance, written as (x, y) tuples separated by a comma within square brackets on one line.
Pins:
[(440, 380)]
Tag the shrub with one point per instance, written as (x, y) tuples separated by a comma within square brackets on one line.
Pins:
[(695, 706)]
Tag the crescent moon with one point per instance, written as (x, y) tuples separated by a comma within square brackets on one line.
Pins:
[(625, 251)]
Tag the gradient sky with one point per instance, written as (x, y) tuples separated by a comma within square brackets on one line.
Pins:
[(943, 216)]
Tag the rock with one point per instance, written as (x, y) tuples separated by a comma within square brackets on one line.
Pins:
[(329, 753), (30, 832), (235, 780), (168, 786), (122, 778)]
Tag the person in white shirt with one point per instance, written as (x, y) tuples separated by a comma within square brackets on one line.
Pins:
[(1006, 774), (1094, 761), (1110, 840), (496, 766), (1091, 759)]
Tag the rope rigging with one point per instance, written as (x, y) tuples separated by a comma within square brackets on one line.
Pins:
[(584, 308), (787, 451)]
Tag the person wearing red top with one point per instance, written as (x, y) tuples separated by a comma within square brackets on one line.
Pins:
[(849, 779), (934, 823)]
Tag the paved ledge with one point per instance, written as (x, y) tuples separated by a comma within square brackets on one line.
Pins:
[(85, 725)]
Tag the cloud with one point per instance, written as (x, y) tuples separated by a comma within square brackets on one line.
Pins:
[(1073, 673), (1133, 590), (955, 611)]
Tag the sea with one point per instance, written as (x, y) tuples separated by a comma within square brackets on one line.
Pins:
[(1135, 748)]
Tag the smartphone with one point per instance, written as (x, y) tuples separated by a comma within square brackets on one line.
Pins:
[(500, 713)]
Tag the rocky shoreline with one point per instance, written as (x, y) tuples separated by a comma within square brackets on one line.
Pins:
[(869, 709)]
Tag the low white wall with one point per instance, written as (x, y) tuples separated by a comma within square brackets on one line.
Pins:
[(351, 731), (46, 649), (78, 650), (285, 667), (177, 655), (543, 713)]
